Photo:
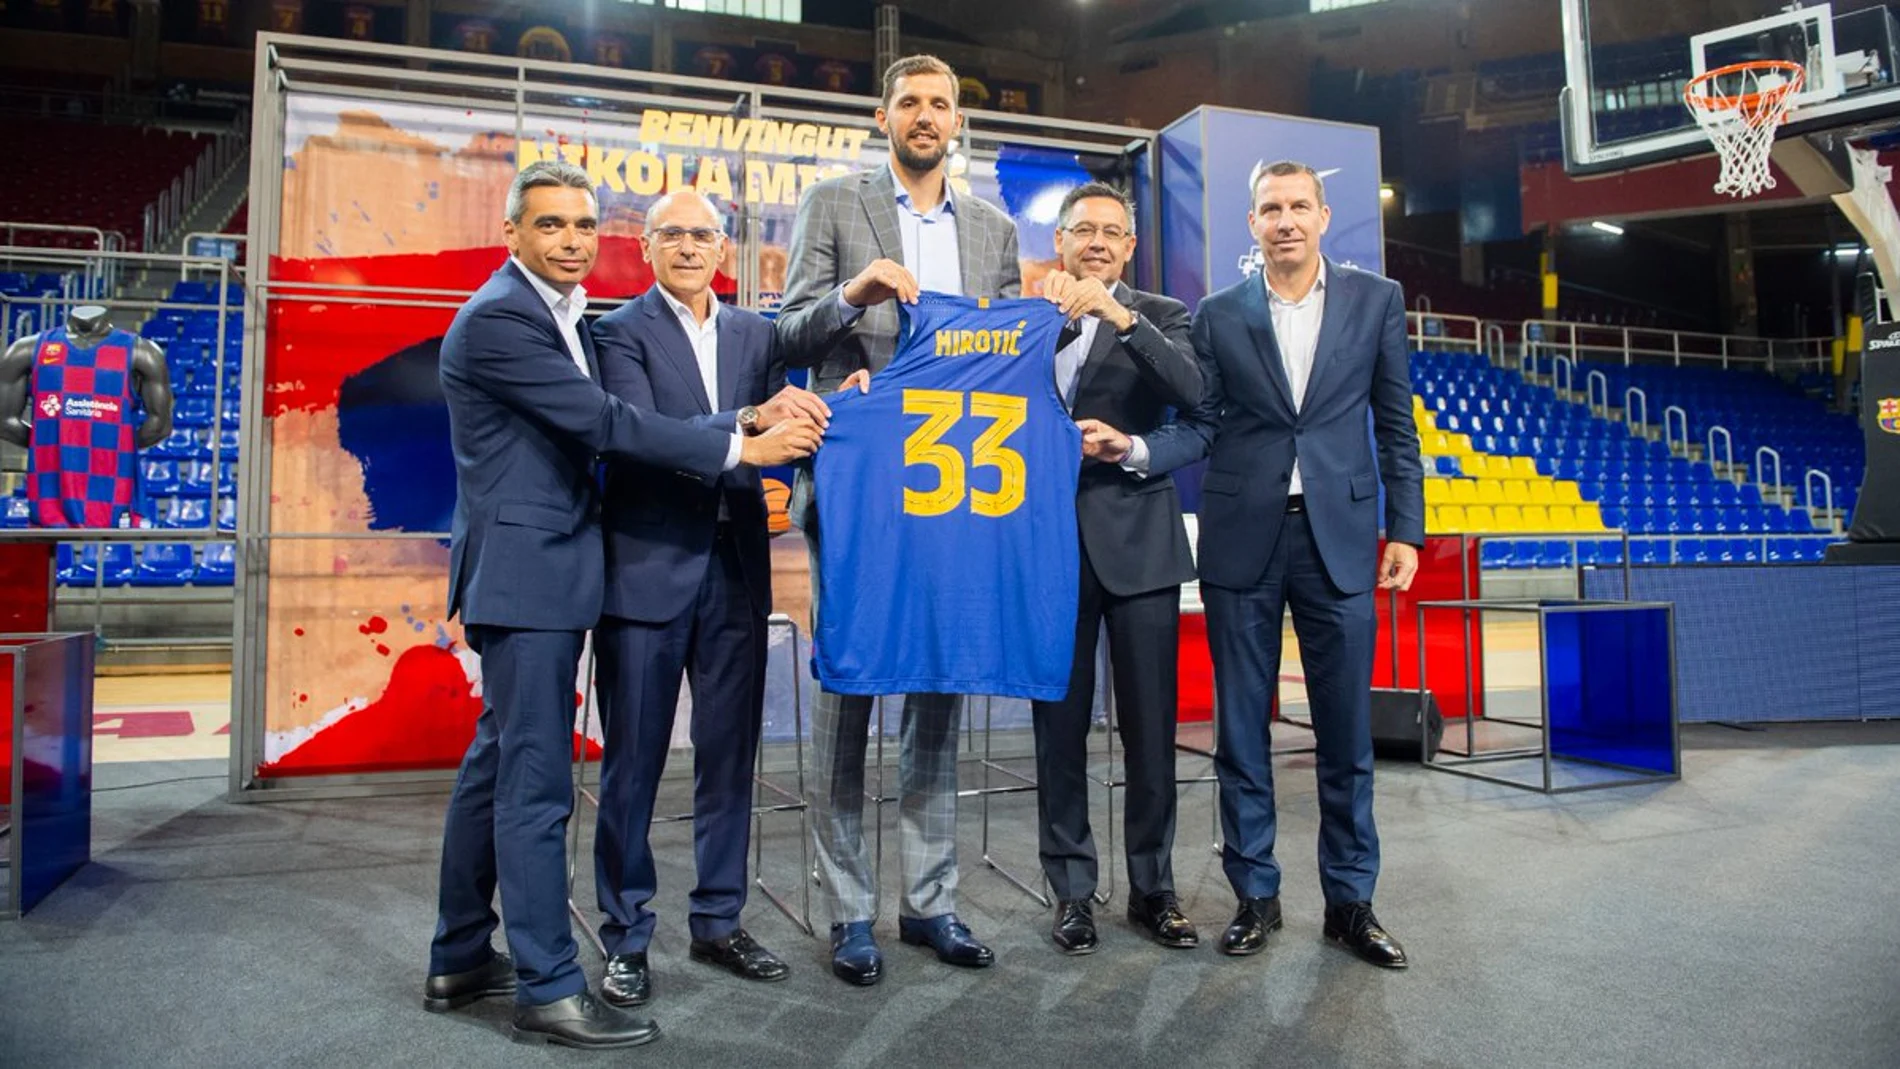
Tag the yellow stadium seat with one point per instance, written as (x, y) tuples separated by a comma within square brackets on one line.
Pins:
[(1516, 492), (1536, 518), (1568, 493), (1542, 493), (1562, 518), (1436, 492), (1435, 443), (1507, 518), (1490, 492), (1497, 467), (1450, 519), (1524, 467), (1479, 518), (1589, 516), (1460, 445), (1464, 491)]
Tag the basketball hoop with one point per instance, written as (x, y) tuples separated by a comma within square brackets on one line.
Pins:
[(1740, 106)]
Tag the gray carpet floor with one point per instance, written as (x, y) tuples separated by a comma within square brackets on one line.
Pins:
[(1745, 916)]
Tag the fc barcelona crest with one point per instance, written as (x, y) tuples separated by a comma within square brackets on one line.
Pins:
[(52, 352), (1888, 414)]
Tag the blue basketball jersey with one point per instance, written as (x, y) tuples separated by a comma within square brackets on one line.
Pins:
[(948, 560)]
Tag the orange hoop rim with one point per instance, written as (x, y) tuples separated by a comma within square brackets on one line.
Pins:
[(1747, 102)]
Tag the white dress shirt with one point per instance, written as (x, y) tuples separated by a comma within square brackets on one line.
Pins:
[(930, 246), (704, 338), (567, 308), (1296, 329)]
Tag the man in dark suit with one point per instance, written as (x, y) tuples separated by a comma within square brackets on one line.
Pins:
[(1295, 363), (689, 585), (527, 422), (1120, 367), (861, 241)]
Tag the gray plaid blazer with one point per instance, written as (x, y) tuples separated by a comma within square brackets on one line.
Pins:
[(843, 224)]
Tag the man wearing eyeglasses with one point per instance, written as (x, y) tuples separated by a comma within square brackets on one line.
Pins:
[(688, 592), (1123, 363)]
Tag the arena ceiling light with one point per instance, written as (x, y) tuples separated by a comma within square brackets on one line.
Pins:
[(1607, 228)]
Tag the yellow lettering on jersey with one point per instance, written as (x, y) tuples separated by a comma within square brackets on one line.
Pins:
[(941, 410)]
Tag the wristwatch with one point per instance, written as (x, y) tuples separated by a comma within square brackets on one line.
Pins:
[(749, 419)]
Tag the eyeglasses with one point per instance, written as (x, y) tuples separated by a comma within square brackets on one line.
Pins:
[(1087, 232), (703, 236)]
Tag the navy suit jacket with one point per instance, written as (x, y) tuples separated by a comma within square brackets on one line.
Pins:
[(527, 428), (660, 525), (1247, 421)]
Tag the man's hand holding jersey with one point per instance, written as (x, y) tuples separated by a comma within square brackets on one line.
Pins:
[(1103, 442), (1078, 297), (879, 282)]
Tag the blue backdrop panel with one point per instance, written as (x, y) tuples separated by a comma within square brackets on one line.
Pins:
[(1760, 643), (1206, 157), (1606, 678)]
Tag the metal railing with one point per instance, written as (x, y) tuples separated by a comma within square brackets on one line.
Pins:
[(192, 240), (1632, 397), (1728, 447), (162, 217), (1827, 485), (1680, 348), (1590, 382), (1668, 438), (1428, 330), (1494, 344), (1771, 453)]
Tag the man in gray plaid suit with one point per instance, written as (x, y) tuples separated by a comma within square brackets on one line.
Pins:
[(861, 241)]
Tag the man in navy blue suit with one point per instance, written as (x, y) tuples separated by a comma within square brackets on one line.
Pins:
[(527, 422), (1294, 361), (689, 587)]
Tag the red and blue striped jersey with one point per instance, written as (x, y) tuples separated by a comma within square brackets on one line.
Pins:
[(82, 461)]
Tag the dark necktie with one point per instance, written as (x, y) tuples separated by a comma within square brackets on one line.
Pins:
[(1070, 331)]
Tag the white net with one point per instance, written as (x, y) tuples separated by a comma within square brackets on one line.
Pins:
[(1740, 109)]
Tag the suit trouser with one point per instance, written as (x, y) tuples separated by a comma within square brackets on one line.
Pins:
[(507, 817), (1336, 635), (1143, 640), (927, 798), (718, 642)]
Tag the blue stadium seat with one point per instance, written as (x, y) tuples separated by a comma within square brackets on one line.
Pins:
[(189, 512), (192, 412), (180, 444), (227, 514), (160, 476), (1494, 554), (1692, 551), (217, 566), (1554, 553), (68, 568), (164, 564), (115, 560), (16, 511), (194, 478)]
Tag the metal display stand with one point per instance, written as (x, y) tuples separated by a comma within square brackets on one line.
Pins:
[(1606, 696)]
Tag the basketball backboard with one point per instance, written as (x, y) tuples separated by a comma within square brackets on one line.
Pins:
[(1627, 62)]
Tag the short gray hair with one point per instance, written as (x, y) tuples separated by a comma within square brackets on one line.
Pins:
[(719, 217), (1280, 169), (1090, 190), (544, 173)]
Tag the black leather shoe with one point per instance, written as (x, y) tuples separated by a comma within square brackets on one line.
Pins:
[(1354, 927), (1074, 932), (448, 991), (581, 1021), (1252, 921), (949, 937), (1160, 916), (627, 982), (855, 958), (741, 955)]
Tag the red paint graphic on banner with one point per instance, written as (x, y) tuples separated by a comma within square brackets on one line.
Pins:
[(425, 718), (313, 346), (376, 625)]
